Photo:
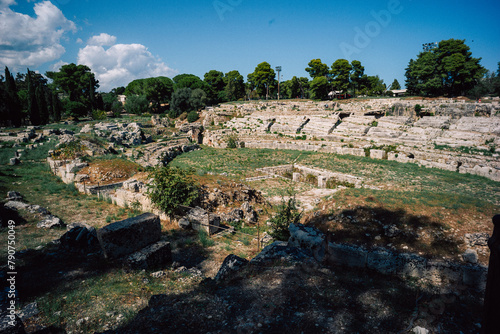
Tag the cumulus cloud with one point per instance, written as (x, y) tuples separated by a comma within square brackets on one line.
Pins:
[(102, 40), (32, 41), (120, 63)]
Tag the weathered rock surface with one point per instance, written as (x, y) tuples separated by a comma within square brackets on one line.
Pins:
[(50, 221), (153, 256), (130, 235), (80, 239), (200, 220), (231, 264)]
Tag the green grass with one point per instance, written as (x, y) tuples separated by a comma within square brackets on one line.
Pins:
[(408, 176)]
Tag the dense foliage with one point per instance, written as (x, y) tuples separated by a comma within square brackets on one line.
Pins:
[(448, 70), (171, 187)]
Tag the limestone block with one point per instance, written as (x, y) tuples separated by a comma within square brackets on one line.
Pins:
[(307, 237), (200, 219), (382, 261), (411, 265), (378, 154), (130, 235), (153, 256), (297, 177), (351, 256), (322, 181)]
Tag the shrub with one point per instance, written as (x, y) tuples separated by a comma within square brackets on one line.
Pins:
[(287, 214), (98, 115), (171, 187), (192, 116), (231, 142)]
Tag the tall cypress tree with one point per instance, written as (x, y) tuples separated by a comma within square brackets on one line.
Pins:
[(13, 104), (42, 105), (56, 106), (33, 110)]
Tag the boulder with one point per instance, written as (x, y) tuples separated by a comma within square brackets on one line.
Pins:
[(80, 239), (197, 219), (16, 205), (251, 215), (470, 256), (281, 251), (231, 264), (130, 235), (154, 256), (50, 221), (308, 238), (14, 196), (14, 161)]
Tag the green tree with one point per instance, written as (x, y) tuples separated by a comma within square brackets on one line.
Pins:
[(447, 70), (357, 73), (12, 103), (171, 187), (395, 85), (263, 79), (78, 83), (33, 110), (319, 88), (292, 88), (215, 80), (341, 70), (186, 99), (41, 101), (234, 86), (317, 68), (375, 85), (157, 91), (136, 104)]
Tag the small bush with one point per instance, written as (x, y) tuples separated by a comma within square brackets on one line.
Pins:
[(231, 142), (287, 214), (192, 116), (98, 115)]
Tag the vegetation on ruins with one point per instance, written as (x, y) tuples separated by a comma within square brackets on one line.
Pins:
[(287, 213), (157, 91), (171, 187)]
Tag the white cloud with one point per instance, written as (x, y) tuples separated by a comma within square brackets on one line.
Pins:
[(57, 66), (32, 41), (102, 40), (121, 63)]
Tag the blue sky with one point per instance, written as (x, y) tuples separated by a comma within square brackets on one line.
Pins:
[(125, 40)]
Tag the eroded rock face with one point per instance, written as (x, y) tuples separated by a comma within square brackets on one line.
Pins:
[(200, 220), (153, 256), (80, 239), (130, 235), (231, 264)]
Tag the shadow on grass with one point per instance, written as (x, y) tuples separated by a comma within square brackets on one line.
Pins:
[(278, 298), (377, 226)]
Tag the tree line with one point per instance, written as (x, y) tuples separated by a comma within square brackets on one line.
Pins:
[(447, 70)]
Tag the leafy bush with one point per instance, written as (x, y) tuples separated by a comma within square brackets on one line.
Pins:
[(231, 142), (192, 116), (136, 104), (98, 115), (287, 214), (171, 187)]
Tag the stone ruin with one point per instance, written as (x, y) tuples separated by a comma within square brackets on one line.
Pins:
[(460, 136)]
